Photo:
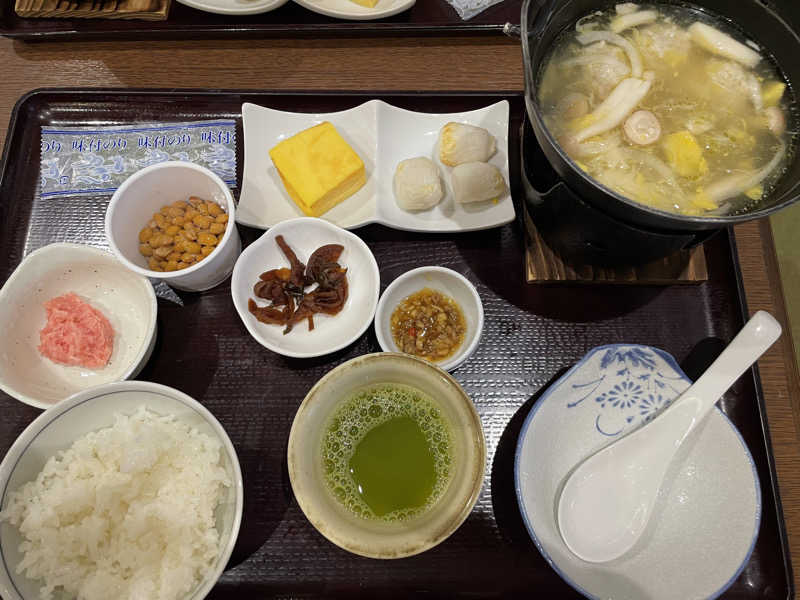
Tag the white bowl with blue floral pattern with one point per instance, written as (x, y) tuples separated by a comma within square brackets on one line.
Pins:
[(706, 521)]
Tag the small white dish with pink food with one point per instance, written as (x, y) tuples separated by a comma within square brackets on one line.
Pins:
[(86, 289)]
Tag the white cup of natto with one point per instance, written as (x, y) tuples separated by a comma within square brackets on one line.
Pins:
[(146, 192), (375, 538)]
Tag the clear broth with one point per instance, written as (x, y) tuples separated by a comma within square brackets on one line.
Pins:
[(693, 91)]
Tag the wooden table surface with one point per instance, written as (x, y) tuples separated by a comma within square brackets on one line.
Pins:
[(454, 63)]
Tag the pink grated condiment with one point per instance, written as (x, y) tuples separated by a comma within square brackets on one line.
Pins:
[(76, 333)]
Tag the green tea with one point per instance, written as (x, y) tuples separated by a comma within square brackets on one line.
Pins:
[(387, 452)]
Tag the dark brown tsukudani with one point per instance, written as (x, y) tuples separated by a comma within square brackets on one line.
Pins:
[(286, 288)]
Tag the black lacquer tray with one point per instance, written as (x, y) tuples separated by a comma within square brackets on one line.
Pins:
[(532, 334), (426, 17)]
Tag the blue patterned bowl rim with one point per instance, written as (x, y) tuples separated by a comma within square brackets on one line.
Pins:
[(541, 401)]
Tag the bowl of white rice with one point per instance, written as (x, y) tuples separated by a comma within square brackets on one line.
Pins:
[(128, 490)]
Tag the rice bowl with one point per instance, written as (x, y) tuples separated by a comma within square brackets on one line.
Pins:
[(129, 508)]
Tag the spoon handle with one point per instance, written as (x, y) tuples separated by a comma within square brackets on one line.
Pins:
[(758, 334)]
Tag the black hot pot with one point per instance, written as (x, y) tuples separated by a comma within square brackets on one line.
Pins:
[(589, 223)]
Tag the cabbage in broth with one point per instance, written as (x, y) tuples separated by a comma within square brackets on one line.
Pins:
[(668, 109)]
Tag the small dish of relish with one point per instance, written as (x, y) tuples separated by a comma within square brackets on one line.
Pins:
[(434, 313), (428, 324)]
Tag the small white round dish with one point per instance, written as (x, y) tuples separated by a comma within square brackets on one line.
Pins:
[(441, 279), (347, 9), (705, 524), (126, 299), (371, 537), (331, 332), (234, 7), (58, 428), (145, 192)]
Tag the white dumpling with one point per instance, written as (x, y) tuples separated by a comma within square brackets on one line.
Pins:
[(461, 143), (417, 185), (477, 181)]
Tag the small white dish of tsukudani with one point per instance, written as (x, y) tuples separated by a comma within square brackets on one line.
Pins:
[(448, 282), (706, 520), (331, 332), (126, 299)]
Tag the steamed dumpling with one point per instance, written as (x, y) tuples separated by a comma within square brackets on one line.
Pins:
[(461, 143), (417, 185), (477, 181)]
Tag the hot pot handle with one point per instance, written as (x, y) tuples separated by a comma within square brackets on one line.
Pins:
[(512, 31), (515, 31)]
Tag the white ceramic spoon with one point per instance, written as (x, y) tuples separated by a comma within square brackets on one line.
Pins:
[(607, 500)]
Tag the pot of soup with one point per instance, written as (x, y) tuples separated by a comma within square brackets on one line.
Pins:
[(662, 121)]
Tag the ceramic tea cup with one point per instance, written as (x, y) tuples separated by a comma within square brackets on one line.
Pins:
[(374, 537)]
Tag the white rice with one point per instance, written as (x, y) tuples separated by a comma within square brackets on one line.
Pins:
[(127, 512)]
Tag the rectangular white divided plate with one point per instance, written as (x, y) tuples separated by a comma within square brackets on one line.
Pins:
[(382, 135)]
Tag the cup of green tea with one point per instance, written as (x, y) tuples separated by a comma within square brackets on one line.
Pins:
[(386, 455)]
